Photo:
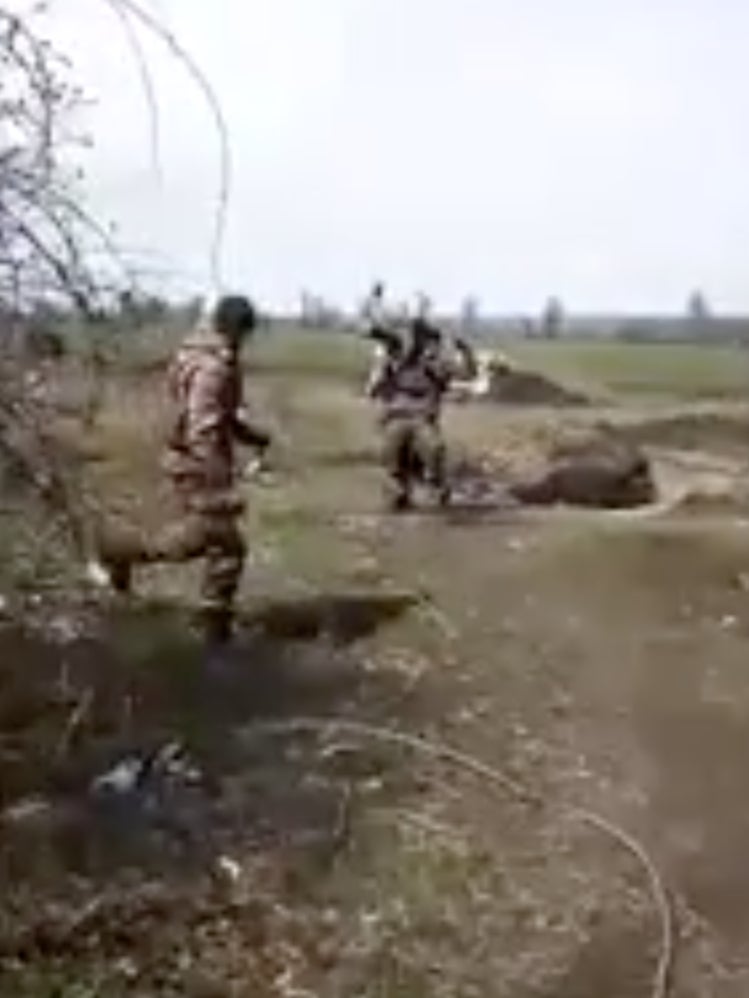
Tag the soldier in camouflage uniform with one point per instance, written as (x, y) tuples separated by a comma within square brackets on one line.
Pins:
[(205, 390), (410, 383)]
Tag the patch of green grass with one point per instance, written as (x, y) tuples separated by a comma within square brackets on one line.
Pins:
[(310, 353), (681, 370), (675, 370)]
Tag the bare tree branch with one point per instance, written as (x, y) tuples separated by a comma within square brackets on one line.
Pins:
[(152, 24)]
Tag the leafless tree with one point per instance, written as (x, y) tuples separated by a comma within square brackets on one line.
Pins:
[(52, 250), (47, 239)]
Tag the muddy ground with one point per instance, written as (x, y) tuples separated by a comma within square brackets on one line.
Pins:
[(167, 830)]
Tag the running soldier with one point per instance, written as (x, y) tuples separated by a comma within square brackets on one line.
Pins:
[(205, 390)]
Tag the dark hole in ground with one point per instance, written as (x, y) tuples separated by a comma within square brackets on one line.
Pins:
[(341, 618)]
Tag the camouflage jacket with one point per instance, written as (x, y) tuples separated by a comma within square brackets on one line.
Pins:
[(204, 384), (413, 383)]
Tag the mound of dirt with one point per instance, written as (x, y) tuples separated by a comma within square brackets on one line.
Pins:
[(721, 432), (513, 386), (594, 471), (613, 481), (729, 498), (729, 502), (595, 468)]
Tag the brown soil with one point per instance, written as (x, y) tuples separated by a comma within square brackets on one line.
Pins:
[(595, 659)]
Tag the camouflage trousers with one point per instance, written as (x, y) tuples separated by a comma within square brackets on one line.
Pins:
[(215, 538), (414, 451), (202, 528)]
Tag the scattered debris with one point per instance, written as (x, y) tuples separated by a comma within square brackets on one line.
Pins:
[(98, 576), (75, 720), (122, 779), (228, 869), (64, 629), (25, 813), (134, 772)]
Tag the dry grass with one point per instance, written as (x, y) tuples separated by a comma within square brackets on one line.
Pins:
[(598, 660)]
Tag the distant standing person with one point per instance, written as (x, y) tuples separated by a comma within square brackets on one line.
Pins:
[(373, 308), (380, 319), (382, 324), (205, 390)]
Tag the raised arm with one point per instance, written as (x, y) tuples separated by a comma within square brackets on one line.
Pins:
[(464, 363), (379, 374)]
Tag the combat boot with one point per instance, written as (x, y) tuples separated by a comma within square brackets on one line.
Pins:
[(400, 501), (113, 567), (219, 660), (444, 494), (216, 627)]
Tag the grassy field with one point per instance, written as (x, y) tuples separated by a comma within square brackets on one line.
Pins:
[(674, 370), (593, 661), (653, 369)]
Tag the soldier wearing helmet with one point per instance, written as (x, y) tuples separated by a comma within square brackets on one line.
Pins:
[(204, 386), (410, 383)]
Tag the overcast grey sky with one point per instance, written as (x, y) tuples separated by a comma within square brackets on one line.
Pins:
[(595, 149)]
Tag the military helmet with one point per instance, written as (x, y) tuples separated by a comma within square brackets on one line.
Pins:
[(234, 315)]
